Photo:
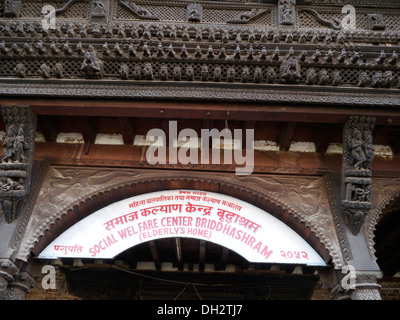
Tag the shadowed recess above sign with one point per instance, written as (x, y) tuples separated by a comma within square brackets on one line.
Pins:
[(239, 226)]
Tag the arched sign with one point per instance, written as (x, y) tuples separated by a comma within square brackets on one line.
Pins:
[(249, 231)]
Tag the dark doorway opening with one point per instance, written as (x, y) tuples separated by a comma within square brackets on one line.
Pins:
[(186, 269)]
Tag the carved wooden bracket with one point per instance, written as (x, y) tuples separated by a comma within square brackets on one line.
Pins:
[(15, 167), (358, 154)]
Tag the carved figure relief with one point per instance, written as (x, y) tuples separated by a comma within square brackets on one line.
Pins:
[(11, 8), (376, 21), (20, 70), (194, 12), (45, 71), (124, 71), (286, 12), (290, 71), (358, 155), (92, 67), (99, 10), (15, 167)]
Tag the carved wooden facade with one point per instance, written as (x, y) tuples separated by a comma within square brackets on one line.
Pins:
[(269, 60)]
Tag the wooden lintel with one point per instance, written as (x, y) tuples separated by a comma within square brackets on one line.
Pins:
[(129, 156)]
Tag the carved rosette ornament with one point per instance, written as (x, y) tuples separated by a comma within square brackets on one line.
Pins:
[(16, 165), (358, 155)]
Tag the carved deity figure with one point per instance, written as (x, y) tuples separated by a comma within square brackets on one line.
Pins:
[(20, 70), (19, 145), (194, 12), (91, 65), (14, 144), (287, 12), (148, 71), (8, 144), (369, 150), (362, 193), (376, 22), (357, 152), (99, 9), (7, 184), (290, 71)]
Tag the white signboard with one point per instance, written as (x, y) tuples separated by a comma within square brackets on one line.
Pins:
[(249, 231)]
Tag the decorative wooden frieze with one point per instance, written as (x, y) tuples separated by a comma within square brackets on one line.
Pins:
[(15, 167), (231, 50), (358, 155)]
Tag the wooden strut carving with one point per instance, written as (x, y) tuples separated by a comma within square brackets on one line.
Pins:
[(15, 167), (358, 155)]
